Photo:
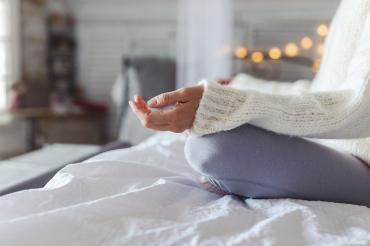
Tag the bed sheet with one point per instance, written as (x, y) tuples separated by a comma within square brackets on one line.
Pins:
[(147, 195)]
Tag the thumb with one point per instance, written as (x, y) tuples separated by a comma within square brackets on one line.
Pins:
[(166, 99)]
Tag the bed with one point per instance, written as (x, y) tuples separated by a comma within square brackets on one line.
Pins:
[(148, 195)]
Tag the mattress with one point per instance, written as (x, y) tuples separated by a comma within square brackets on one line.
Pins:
[(148, 195)]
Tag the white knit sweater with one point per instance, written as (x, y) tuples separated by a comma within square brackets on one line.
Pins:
[(334, 109)]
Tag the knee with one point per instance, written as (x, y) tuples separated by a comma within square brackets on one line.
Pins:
[(215, 155), (204, 154)]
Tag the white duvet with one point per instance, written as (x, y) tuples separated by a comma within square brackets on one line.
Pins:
[(146, 196)]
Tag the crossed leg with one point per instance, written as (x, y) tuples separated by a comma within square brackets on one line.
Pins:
[(252, 162)]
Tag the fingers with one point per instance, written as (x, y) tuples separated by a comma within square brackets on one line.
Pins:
[(177, 119), (154, 120), (168, 98), (160, 118), (140, 112), (168, 120), (141, 104), (160, 121)]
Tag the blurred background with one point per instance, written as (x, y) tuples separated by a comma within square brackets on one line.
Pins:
[(68, 67)]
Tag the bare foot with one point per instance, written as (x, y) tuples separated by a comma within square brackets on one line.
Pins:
[(210, 187)]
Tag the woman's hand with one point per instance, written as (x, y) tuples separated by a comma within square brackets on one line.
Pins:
[(179, 118)]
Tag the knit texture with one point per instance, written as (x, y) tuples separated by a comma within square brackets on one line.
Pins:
[(335, 106)]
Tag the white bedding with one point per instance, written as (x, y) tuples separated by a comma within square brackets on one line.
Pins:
[(146, 196)]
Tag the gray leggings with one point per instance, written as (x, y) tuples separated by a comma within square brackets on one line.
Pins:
[(252, 162)]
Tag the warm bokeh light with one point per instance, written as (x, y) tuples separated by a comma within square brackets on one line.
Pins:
[(322, 30), (320, 49), (306, 43), (241, 52), (291, 50), (316, 65), (257, 57), (275, 53)]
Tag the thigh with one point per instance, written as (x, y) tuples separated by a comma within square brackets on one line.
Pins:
[(253, 162)]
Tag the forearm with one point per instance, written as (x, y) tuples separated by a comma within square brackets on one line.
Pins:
[(319, 115)]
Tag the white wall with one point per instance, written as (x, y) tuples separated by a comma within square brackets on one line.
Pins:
[(252, 10), (111, 29)]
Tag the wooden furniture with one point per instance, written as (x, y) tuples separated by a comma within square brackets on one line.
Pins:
[(47, 127)]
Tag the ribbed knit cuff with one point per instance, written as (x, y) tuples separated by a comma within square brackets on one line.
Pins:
[(216, 103)]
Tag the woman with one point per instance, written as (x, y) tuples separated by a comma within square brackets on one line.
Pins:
[(262, 139)]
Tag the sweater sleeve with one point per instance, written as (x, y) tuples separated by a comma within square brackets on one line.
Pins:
[(247, 82), (340, 114)]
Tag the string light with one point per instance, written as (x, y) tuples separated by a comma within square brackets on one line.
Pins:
[(275, 53), (241, 52), (306, 43), (257, 57), (322, 30), (316, 65), (291, 50), (320, 49)]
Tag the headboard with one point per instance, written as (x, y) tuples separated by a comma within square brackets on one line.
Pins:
[(145, 76)]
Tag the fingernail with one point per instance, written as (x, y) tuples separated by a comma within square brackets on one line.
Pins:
[(136, 98), (152, 102)]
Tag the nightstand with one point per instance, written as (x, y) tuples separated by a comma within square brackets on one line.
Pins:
[(47, 127)]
